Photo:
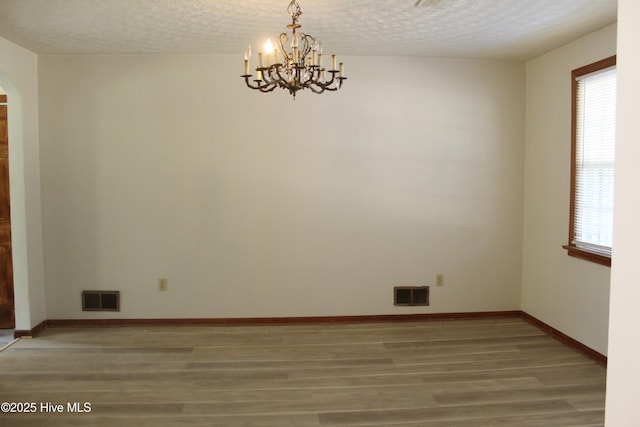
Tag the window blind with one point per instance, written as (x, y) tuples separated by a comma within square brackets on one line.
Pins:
[(595, 155)]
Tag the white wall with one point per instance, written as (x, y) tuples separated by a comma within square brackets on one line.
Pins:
[(258, 205), (569, 294), (18, 77), (623, 373)]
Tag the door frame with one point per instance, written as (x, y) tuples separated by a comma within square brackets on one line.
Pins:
[(10, 308)]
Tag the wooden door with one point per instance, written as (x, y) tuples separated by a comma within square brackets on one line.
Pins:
[(6, 266)]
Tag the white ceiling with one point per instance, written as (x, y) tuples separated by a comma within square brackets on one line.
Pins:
[(508, 29)]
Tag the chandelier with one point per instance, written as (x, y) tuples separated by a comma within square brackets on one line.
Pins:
[(295, 64)]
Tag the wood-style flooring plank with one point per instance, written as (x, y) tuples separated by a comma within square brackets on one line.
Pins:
[(450, 413), (462, 373)]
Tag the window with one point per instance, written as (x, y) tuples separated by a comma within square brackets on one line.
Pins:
[(592, 161)]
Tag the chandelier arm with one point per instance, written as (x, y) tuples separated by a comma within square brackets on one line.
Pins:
[(274, 77), (266, 76), (261, 87), (316, 88), (331, 89), (313, 79), (301, 76), (308, 42), (325, 86), (267, 89), (247, 81), (282, 81), (337, 86), (266, 86), (283, 38), (333, 78)]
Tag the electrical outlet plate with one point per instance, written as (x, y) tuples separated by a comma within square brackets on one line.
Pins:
[(163, 284), (439, 279)]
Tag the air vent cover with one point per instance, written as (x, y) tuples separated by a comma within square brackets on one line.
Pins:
[(100, 300), (411, 295)]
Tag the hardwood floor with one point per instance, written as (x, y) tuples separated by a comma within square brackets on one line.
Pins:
[(462, 373)]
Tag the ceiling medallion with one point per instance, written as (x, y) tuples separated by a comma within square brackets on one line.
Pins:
[(298, 68)]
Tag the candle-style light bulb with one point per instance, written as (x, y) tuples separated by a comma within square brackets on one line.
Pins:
[(268, 47), (268, 50), (247, 56)]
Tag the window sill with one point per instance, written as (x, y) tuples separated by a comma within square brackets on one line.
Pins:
[(588, 256)]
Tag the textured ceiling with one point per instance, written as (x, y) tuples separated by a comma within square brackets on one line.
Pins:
[(510, 29)]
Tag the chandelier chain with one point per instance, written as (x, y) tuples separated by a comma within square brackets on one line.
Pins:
[(294, 10)]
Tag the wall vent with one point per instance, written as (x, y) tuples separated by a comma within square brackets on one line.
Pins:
[(411, 295), (100, 300)]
